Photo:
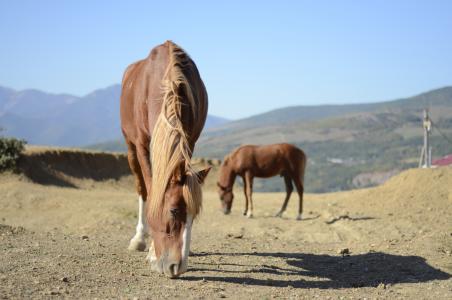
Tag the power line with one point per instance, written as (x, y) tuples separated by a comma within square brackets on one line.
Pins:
[(442, 134)]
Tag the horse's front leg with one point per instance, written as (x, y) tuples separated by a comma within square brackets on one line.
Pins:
[(138, 242)]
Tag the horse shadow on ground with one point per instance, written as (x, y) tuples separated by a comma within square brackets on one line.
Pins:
[(327, 271), (309, 218)]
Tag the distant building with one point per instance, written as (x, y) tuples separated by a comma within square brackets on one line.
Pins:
[(443, 161)]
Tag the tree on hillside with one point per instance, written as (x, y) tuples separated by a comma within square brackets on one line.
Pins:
[(10, 151)]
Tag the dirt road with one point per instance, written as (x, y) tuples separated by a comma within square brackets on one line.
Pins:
[(396, 242)]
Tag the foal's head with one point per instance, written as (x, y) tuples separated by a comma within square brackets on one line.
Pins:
[(171, 226), (226, 197)]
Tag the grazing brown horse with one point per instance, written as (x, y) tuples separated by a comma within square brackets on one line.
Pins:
[(262, 161), (163, 110)]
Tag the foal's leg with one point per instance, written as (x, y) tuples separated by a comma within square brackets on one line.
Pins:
[(246, 196), (289, 189), (249, 192), (300, 190), (138, 242)]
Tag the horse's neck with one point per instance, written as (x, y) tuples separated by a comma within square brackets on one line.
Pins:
[(228, 177)]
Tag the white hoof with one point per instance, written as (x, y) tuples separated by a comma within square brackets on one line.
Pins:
[(249, 215), (137, 245), (299, 217)]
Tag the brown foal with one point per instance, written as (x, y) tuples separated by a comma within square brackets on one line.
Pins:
[(252, 161)]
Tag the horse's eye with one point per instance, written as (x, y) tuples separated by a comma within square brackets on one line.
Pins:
[(174, 212)]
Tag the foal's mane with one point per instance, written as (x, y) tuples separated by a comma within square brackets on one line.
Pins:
[(169, 141), (232, 154)]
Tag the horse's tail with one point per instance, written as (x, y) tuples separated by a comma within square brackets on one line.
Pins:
[(303, 163), (169, 142)]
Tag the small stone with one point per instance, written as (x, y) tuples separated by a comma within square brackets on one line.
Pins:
[(85, 237), (381, 286), (343, 251), (64, 279)]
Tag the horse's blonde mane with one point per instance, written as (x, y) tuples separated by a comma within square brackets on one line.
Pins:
[(169, 142)]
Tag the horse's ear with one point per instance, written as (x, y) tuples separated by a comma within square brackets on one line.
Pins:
[(179, 173), (203, 174)]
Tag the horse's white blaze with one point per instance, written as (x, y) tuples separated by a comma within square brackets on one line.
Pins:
[(186, 238)]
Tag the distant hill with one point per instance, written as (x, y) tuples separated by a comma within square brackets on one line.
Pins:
[(65, 120), (301, 123), (342, 141)]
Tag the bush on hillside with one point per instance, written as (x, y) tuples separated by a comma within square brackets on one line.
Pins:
[(10, 150)]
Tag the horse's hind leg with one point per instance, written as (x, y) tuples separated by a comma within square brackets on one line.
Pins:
[(300, 190), (289, 189), (138, 242), (245, 184), (248, 193)]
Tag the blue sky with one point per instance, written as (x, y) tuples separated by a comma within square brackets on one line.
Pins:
[(253, 56)]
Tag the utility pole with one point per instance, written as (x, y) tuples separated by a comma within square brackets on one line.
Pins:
[(426, 153)]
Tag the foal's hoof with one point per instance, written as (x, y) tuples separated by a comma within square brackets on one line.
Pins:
[(245, 213), (137, 245), (249, 215), (299, 217), (279, 215)]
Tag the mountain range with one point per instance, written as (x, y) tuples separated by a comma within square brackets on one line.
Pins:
[(65, 120), (348, 146)]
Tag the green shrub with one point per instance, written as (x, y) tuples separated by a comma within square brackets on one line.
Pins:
[(10, 150)]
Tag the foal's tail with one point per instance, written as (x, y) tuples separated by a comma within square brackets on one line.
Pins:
[(303, 163)]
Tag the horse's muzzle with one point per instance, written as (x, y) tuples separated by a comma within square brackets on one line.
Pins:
[(167, 266)]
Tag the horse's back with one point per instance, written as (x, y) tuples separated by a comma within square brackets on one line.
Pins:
[(142, 98), (141, 86), (270, 160)]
